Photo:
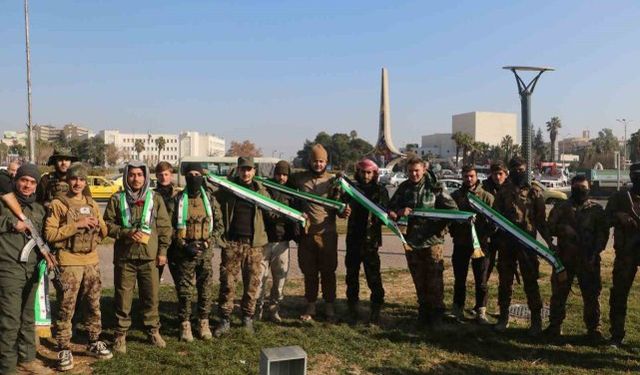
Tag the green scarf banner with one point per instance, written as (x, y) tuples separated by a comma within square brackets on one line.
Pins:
[(330, 203), (376, 210), (257, 199), (517, 232), (42, 306)]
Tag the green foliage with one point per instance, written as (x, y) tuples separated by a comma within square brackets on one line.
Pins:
[(633, 147), (553, 126), (139, 147), (539, 146), (91, 150), (344, 150), (160, 144)]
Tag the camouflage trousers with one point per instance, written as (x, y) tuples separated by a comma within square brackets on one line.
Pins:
[(275, 260), (625, 267), (357, 254), (510, 257), (194, 272), (82, 283), (318, 260), (427, 266), (590, 287), (240, 259)]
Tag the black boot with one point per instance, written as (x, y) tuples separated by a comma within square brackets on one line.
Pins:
[(222, 328), (374, 314)]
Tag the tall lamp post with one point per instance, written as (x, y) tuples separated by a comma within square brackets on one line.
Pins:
[(31, 136), (525, 91), (624, 122)]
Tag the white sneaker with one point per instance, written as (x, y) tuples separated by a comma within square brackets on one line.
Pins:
[(99, 350), (65, 360)]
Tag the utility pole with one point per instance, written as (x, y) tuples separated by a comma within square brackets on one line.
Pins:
[(31, 135), (525, 91), (624, 122)]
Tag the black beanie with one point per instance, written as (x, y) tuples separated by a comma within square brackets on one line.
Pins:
[(30, 170), (282, 167), (192, 166)]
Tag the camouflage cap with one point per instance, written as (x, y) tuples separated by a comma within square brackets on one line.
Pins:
[(246, 161), (77, 170), (62, 153)]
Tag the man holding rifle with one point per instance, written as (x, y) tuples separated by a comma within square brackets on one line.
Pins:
[(74, 228), (19, 279), (622, 212)]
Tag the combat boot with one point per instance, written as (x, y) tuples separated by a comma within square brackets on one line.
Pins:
[(185, 331), (259, 311), (247, 324), (204, 331), (274, 314), (309, 313), (535, 329), (457, 312), (156, 340), (222, 328), (330, 312), (503, 322), (374, 314), (595, 336), (353, 314), (553, 331), (120, 343), (481, 316)]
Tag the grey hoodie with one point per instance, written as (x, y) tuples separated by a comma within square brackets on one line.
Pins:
[(131, 196)]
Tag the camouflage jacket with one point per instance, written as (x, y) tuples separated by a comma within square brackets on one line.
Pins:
[(423, 232), (619, 206), (52, 185), (168, 196), (581, 229), (461, 232), (363, 226), (523, 206)]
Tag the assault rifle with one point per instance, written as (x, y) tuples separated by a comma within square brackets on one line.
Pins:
[(35, 240)]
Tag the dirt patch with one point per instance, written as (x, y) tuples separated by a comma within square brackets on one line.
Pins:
[(327, 364)]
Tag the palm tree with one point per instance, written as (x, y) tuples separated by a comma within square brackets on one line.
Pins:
[(507, 146), (353, 134), (462, 141), (467, 146), (160, 144), (552, 127), (139, 147)]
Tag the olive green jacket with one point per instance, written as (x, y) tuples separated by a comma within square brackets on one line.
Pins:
[(12, 242), (619, 213), (581, 229), (125, 248)]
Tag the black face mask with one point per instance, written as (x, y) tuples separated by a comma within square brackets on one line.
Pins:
[(579, 194), (518, 178), (194, 183), (635, 179)]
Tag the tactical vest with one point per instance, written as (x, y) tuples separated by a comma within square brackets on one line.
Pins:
[(84, 241), (197, 221), (55, 188)]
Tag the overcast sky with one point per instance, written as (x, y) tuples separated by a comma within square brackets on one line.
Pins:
[(279, 72)]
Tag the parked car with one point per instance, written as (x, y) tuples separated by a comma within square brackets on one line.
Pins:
[(450, 184), (397, 178), (551, 196), (101, 188)]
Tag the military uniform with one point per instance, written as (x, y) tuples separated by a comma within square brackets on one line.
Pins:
[(168, 194), (622, 209), (582, 233), (318, 250), (491, 252), (241, 252), (136, 261), (364, 237), (463, 248), (54, 184), (525, 207), (79, 263), (426, 238), (193, 248), (18, 284)]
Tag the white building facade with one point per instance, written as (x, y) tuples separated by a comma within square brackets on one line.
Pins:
[(487, 127), (439, 145), (176, 145)]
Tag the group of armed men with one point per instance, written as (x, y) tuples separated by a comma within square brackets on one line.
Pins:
[(181, 228)]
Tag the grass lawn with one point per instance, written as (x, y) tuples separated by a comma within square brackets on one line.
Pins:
[(397, 347)]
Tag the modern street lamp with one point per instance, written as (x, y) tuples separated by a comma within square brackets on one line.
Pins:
[(624, 122), (525, 91), (31, 135)]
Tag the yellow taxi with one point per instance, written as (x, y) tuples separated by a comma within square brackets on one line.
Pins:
[(101, 188)]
